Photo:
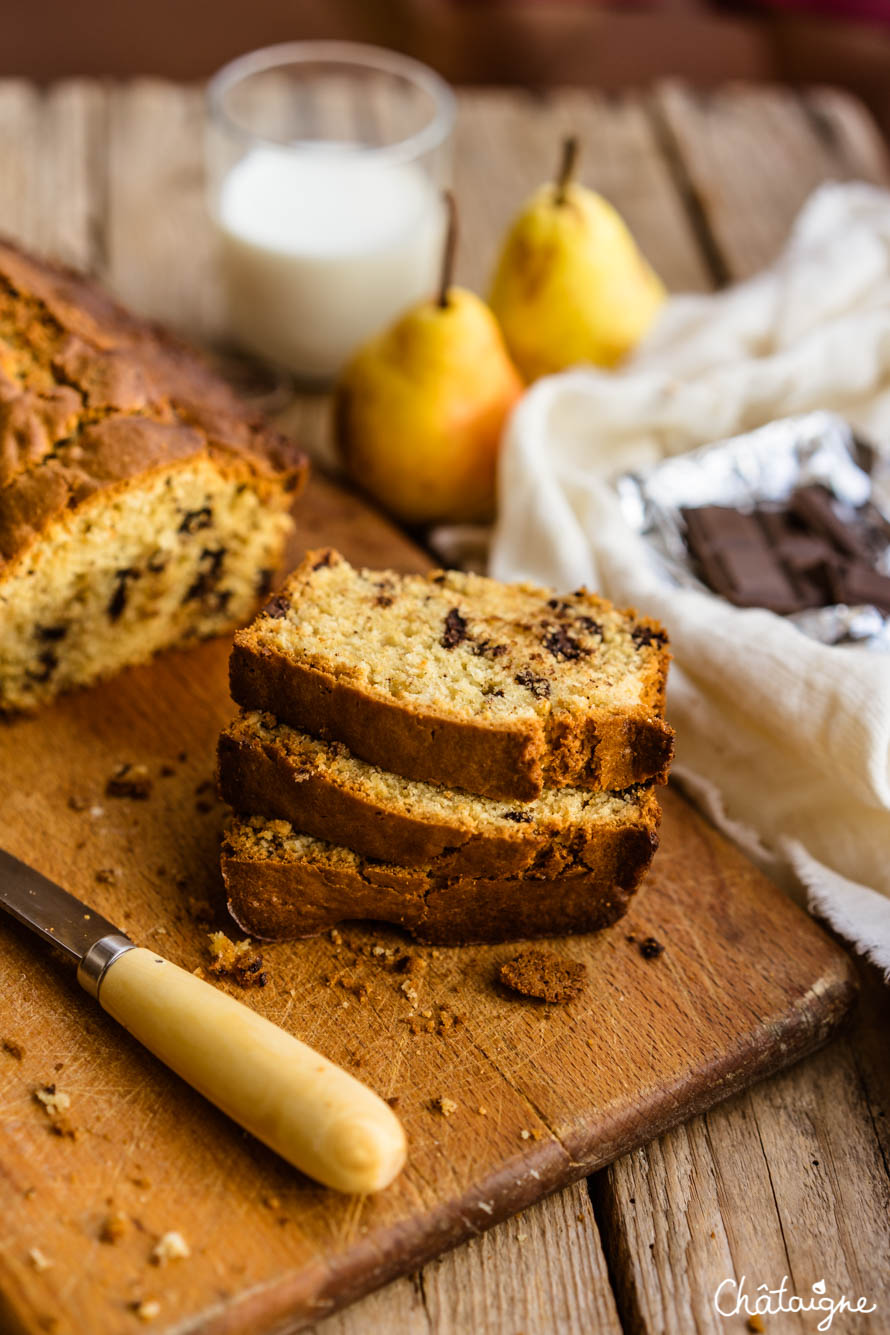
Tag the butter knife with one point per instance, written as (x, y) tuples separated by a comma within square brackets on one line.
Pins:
[(310, 1111)]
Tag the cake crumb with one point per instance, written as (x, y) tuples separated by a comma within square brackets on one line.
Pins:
[(13, 1049), (200, 910), (447, 1107), (755, 1323), (236, 959), (393, 1100), (650, 949), (146, 1309), (133, 781), (272, 1202), (114, 1227), (544, 975), (171, 1246), (482, 1110), (409, 990), (39, 1260), (335, 936), (525, 1135), (77, 802), (54, 1100), (107, 875)]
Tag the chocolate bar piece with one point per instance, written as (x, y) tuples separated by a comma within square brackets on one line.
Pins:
[(786, 558)]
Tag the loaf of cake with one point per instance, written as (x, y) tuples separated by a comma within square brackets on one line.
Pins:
[(141, 504), (455, 679), (283, 884), (268, 769)]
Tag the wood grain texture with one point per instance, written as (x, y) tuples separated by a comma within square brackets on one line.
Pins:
[(97, 150), (790, 1178)]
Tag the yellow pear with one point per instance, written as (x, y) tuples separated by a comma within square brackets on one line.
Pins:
[(420, 408), (571, 285)]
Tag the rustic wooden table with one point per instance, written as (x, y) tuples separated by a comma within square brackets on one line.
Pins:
[(792, 1177)]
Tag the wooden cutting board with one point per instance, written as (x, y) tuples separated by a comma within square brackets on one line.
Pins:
[(746, 984)]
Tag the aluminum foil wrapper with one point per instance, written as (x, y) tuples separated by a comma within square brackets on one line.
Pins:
[(756, 468)]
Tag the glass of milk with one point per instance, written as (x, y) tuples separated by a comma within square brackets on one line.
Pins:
[(326, 165)]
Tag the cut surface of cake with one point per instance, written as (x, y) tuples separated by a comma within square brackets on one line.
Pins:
[(455, 679), (269, 769), (282, 884), (141, 504)]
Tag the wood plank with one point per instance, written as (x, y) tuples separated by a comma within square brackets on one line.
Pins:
[(507, 143), (752, 156), (790, 1178), (49, 147)]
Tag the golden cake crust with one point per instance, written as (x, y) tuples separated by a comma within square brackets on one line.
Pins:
[(277, 893), (267, 769), (498, 756), (92, 397)]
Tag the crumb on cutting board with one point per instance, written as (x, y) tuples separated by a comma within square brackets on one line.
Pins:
[(650, 948), (147, 1309), (171, 1246), (54, 1100), (13, 1049), (39, 1260), (133, 781), (114, 1227), (442, 1104), (239, 960), (544, 975)]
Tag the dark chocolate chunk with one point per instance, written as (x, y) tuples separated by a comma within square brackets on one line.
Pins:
[(194, 520), (591, 626), (48, 661), (650, 949), (814, 506), (539, 686), (279, 606), (558, 642), (119, 598), (455, 629), (264, 581), (643, 636), (485, 649), (51, 633), (209, 570), (857, 583), (518, 816)]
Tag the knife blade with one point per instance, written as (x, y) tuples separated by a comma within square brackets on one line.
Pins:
[(310, 1111)]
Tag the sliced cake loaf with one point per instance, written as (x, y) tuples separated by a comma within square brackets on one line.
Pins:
[(141, 504), (282, 884), (451, 678), (267, 768)]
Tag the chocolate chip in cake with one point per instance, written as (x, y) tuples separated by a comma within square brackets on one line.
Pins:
[(643, 636), (278, 607), (323, 561), (591, 626), (48, 661), (485, 649), (455, 629), (119, 598), (210, 569), (560, 644), (157, 563), (384, 600), (195, 520), (51, 633), (518, 816), (130, 781), (264, 581), (539, 686)]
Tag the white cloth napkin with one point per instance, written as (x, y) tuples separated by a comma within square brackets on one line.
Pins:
[(784, 741)]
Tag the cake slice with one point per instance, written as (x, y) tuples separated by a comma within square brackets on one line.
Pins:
[(455, 679), (281, 884), (141, 504), (267, 768)]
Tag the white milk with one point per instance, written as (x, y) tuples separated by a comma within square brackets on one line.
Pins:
[(323, 244)]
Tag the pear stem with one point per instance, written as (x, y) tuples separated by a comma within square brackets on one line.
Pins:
[(566, 167), (449, 251)]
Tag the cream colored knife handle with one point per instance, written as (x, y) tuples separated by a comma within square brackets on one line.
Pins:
[(313, 1113)]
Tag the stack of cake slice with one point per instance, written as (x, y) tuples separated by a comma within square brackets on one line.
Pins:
[(469, 760)]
